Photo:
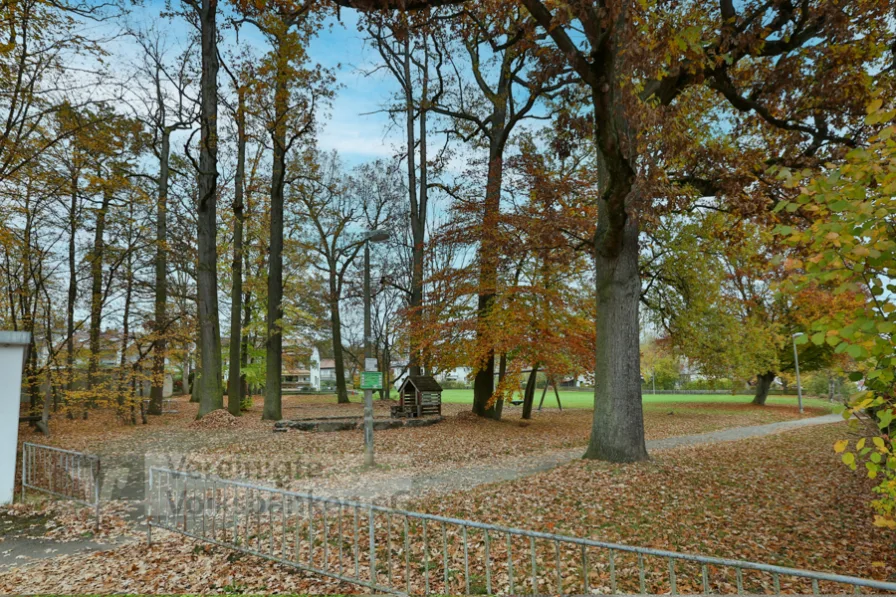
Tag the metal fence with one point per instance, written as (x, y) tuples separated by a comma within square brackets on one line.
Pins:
[(65, 474), (396, 551)]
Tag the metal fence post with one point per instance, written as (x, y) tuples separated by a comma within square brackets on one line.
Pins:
[(96, 493), (149, 510), (372, 529), (24, 469)]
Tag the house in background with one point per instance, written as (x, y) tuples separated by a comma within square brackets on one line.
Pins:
[(298, 375), (327, 375), (295, 380), (461, 375)]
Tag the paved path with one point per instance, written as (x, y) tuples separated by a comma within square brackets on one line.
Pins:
[(466, 478), (736, 433), (18, 551)]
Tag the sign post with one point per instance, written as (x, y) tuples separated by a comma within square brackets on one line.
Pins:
[(370, 380), (376, 236), (13, 347)]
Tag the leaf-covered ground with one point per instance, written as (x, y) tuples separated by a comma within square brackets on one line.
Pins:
[(783, 499), (306, 461)]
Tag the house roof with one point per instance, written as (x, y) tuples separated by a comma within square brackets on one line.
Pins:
[(423, 383), (328, 363)]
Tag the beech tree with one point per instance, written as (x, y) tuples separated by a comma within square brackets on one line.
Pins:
[(541, 315), (500, 43), (240, 74), (409, 51), (111, 145), (849, 235)]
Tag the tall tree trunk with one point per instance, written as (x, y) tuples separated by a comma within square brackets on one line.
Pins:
[(418, 207), (529, 396), (72, 289), (244, 344), (484, 382), (161, 280), (210, 391), (125, 334), (186, 387), (235, 379), (32, 378), (96, 289), (44, 424), (196, 386), (763, 385), (274, 343), (28, 300), (336, 331), (617, 432)]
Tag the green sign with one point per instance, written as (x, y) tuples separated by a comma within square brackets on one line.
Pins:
[(371, 380)]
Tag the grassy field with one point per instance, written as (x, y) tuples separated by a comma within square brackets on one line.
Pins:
[(582, 399)]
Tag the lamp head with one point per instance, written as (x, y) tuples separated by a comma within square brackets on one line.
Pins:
[(377, 236)]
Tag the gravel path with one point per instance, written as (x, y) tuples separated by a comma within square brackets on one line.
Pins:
[(465, 478)]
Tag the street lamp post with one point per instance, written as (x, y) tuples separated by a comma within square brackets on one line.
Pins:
[(372, 236), (796, 366)]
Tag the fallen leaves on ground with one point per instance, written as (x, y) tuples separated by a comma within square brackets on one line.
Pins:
[(217, 419), (66, 521), (783, 499), (246, 447)]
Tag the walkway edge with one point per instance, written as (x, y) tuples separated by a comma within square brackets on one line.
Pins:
[(739, 433)]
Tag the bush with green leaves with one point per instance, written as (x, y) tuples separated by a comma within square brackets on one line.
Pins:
[(852, 245)]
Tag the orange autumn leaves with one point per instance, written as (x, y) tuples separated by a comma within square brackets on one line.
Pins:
[(543, 312)]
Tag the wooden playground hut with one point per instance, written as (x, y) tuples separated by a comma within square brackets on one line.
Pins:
[(419, 396)]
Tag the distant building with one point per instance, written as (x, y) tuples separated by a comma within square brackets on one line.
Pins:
[(298, 376), (327, 369), (455, 375), (295, 380)]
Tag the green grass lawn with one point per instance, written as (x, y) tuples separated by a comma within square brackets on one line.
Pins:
[(584, 399)]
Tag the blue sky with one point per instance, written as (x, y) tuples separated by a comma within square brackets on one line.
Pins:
[(354, 132), (357, 134)]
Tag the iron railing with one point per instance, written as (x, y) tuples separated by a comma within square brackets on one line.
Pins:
[(396, 551), (65, 474)]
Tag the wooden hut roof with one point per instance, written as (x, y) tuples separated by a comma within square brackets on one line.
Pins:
[(423, 383)]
